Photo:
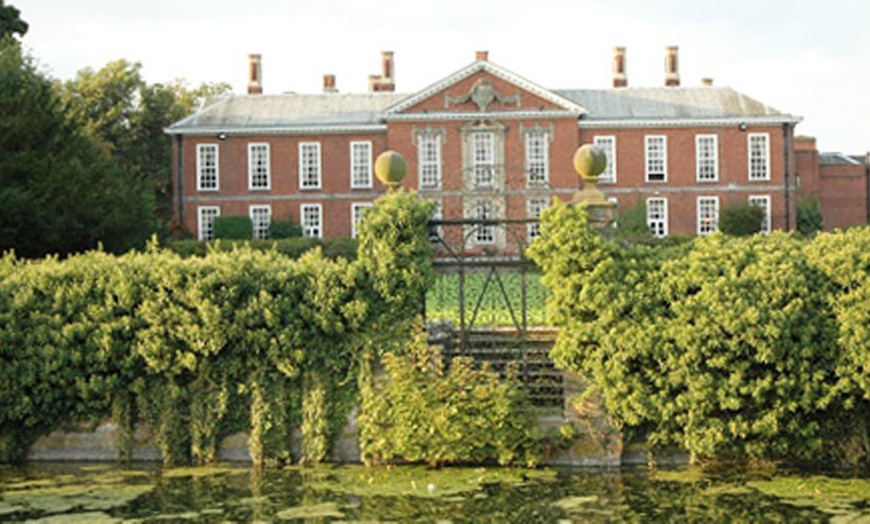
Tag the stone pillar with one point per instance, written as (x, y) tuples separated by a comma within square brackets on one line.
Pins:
[(589, 162)]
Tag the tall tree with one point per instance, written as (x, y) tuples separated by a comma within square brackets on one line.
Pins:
[(127, 115), (60, 192), (11, 22)]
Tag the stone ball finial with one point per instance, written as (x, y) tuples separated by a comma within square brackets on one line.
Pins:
[(390, 168), (589, 162)]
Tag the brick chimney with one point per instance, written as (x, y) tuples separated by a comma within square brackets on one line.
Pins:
[(255, 74), (329, 84), (619, 78), (672, 69), (481, 56), (385, 81)]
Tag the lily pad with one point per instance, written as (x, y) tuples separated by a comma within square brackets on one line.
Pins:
[(311, 511)]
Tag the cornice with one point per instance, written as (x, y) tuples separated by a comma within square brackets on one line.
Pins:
[(688, 122), (278, 130)]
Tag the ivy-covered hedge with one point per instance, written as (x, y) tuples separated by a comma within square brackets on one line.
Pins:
[(728, 347), (200, 347)]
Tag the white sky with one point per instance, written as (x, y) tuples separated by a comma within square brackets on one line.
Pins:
[(805, 57)]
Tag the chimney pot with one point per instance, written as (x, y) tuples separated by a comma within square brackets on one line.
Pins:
[(385, 81), (255, 74), (329, 84), (672, 70), (481, 56), (619, 77)]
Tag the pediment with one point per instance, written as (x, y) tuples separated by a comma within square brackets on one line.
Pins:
[(483, 88)]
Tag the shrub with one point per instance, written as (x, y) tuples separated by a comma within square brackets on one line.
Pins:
[(632, 226), (728, 347), (741, 219), (284, 229), (809, 217), (421, 410), (233, 227)]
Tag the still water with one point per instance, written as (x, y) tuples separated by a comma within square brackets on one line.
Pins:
[(99, 493)]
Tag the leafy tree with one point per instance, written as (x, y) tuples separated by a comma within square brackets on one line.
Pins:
[(127, 115), (11, 22), (741, 219), (59, 191), (809, 217)]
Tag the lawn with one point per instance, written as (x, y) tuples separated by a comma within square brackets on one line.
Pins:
[(442, 300)]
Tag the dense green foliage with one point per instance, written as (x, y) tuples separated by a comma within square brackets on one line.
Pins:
[(233, 227), (59, 191), (631, 225), (127, 116), (200, 347), (293, 247), (421, 410), (809, 217), (284, 229), (741, 219), (727, 347), (11, 22)]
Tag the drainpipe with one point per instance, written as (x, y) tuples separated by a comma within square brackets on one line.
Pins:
[(179, 170), (786, 160), (867, 186)]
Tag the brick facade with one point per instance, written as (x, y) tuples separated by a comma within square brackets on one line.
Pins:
[(490, 126)]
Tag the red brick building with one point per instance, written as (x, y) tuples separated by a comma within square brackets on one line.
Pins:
[(487, 143)]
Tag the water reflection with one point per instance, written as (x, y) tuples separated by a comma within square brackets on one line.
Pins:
[(236, 493)]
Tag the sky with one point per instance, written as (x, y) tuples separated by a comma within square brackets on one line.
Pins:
[(805, 58)]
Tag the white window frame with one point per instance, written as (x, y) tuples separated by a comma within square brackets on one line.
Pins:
[(762, 201), (260, 227), (361, 165), (534, 208), (429, 160), (207, 169), (310, 230), (205, 216), (259, 167), (483, 158), (758, 158), (656, 152), (310, 165), (537, 158), (484, 234), (706, 158), (657, 219), (707, 222), (608, 144), (357, 210)]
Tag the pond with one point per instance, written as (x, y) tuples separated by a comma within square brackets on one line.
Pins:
[(45, 492)]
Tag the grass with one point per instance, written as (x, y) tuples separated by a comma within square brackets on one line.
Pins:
[(442, 300)]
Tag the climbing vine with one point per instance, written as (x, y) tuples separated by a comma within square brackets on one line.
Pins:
[(201, 347)]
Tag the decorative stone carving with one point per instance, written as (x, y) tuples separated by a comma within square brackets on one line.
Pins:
[(440, 132), (482, 94)]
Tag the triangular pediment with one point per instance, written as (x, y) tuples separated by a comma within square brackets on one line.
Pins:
[(483, 88)]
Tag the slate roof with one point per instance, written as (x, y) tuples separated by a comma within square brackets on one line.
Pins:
[(342, 112), (272, 113), (667, 103), (838, 159)]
